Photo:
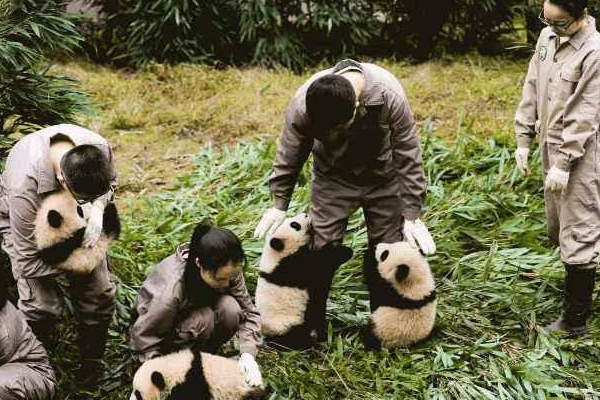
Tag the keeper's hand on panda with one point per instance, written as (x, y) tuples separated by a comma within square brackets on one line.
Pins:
[(251, 370), (269, 222), (417, 234), (93, 229)]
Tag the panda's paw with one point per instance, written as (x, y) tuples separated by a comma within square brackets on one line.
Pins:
[(371, 342)]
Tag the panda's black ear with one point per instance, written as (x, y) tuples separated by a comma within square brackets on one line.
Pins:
[(384, 255), (277, 244), (55, 219), (158, 380), (402, 271)]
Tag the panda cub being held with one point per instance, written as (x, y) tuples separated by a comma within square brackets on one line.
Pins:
[(191, 375), (59, 229), (406, 308), (294, 283)]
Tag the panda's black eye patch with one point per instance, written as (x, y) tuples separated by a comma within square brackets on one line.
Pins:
[(138, 395), (80, 211), (384, 255), (277, 244), (402, 272), (158, 380), (55, 219), (296, 226)]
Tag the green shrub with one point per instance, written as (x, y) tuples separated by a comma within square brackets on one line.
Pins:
[(30, 96), (294, 33), (134, 32)]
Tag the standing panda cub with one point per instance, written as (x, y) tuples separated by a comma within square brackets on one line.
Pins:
[(405, 312), (59, 228), (188, 375), (294, 283)]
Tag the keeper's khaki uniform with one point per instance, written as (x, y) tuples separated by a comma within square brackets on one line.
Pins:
[(25, 372), (561, 104)]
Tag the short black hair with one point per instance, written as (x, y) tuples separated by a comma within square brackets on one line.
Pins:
[(86, 170), (214, 247), (330, 101), (575, 8)]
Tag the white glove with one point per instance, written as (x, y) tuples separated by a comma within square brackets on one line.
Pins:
[(522, 157), (94, 227), (250, 369), (270, 222), (416, 232), (557, 179)]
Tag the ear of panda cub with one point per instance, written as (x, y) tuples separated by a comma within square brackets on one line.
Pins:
[(111, 224)]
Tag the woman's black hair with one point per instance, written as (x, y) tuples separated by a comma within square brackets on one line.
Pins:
[(575, 8), (214, 247)]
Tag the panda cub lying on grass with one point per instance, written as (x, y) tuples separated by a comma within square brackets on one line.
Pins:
[(406, 306), (294, 283), (59, 227), (189, 375)]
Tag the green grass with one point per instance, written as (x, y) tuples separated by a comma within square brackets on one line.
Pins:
[(158, 118), (193, 142), (497, 275)]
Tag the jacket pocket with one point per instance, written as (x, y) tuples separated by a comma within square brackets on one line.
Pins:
[(570, 75)]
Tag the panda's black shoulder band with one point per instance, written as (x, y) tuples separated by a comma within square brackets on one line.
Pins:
[(405, 303)]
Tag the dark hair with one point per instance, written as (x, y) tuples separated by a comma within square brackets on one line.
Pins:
[(214, 247), (86, 170), (330, 101), (575, 8)]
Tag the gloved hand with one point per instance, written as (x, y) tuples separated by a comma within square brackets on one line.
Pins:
[(557, 179), (94, 226), (522, 157), (416, 232), (269, 222), (250, 369)]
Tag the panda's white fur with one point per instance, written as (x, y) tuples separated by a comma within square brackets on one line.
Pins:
[(396, 326), (81, 260), (282, 307), (221, 376)]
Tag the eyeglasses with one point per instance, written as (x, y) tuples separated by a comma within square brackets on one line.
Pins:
[(561, 24), (81, 201)]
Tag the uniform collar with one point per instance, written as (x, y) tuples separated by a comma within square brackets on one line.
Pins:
[(46, 176), (579, 38), (371, 94)]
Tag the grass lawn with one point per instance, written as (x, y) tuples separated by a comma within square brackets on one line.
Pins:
[(194, 142)]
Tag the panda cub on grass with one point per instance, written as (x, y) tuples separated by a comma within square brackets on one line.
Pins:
[(59, 228), (406, 307), (189, 375), (294, 283)]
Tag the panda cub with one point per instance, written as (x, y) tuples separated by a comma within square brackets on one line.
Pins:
[(294, 283), (59, 228), (405, 311), (189, 375)]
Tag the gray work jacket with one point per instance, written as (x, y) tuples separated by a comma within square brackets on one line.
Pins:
[(28, 176), (383, 142)]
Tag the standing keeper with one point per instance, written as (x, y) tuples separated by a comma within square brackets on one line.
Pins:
[(356, 121), (561, 104)]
